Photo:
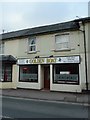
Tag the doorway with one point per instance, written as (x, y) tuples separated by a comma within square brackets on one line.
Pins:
[(46, 77)]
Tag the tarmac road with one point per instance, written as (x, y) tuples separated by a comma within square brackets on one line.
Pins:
[(14, 107)]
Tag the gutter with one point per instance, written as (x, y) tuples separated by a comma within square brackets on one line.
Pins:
[(83, 23)]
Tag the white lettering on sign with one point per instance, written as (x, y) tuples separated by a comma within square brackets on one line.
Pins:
[(64, 72), (68, 59), (71, 59)]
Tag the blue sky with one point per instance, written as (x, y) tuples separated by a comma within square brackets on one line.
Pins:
[(22, 15)]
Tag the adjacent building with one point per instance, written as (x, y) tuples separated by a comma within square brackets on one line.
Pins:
[(54, 57)]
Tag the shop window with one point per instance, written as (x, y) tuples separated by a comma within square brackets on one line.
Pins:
[(29, 73), (1, 48), (62, 42), (6, 73), (32, 44), (66, 73)]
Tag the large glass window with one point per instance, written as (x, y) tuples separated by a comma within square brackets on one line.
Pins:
[(29, 73), (6, 73), (66, 73)]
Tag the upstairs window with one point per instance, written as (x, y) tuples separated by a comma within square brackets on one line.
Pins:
[(32, 44), (1, 48), (62, 42)]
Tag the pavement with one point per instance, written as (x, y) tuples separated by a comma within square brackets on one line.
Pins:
[(83, 98)]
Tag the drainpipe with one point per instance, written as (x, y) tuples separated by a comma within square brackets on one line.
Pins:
[(83, 23)]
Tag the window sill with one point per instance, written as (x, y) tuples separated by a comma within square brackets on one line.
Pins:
[(65, 82), (61, 50), (31, 52), (5, 81), (2, 54), (29, 81)]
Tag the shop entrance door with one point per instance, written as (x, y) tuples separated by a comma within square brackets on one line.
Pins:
[(46, 77)]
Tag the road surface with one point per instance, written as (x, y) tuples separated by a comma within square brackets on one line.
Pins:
[(13, 107)]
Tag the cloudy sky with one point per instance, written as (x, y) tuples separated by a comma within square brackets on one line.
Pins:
[(22, 15)]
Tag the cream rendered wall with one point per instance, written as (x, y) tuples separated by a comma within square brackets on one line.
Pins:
[(42, 76), (82, 72), (87, 37), (88, 53), (65, 87), (13, 84), (76, 45), (15, 76), (23, 48), (45, 45), (87, 34), (77, 38), (6, 85), (77, 48), (11, 47), (28, 85), (88, 67)]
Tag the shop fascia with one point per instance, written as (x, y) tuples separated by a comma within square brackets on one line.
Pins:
[(53, 60)]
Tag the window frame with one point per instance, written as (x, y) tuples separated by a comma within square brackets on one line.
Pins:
[(64, 81), (28, 80), (68, 42), (5, 67), (31, 45)]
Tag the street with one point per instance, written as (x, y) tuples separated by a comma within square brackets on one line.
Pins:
[(14, 107)]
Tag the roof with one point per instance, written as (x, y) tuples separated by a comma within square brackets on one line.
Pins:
[(86, 19), (71, 25), (40, 30), (7, 58)]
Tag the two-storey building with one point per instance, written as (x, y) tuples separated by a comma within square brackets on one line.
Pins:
[(54, 57)]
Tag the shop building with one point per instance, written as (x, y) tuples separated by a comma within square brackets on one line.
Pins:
[(6, 69), (53, 57)]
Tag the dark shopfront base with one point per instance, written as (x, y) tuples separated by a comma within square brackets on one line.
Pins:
[(86, 91)]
